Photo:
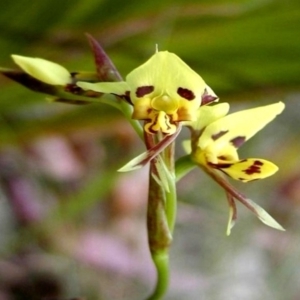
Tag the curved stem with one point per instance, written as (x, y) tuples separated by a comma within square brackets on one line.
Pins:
[(161, 214), (127, 111), (183, 166), (161, 261)]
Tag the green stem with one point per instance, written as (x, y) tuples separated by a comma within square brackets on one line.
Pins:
[(127, 111), (171, 205), (161, 215), (183, 166), (161, 262), (159, 236), (171, 197)]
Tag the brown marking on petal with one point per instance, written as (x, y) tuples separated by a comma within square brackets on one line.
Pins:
[(218, 135), (144, 90), (167, 120), (73, 74), (220, 166), (238, 141), (150, 129), (126, 97), (206, 98), (73, 88), (186, 93), (222, 157), (69, 101), (254, 168), (258, 163)]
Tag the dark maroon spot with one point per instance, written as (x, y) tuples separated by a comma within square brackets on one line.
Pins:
[(69, 101), (238, 141), (144, 90), (222, 157), (220, 166), (150, 128), (73, 88), (185, 93), (207, 98), (126, 97), (218, 135), (73, 74), (254, 168), (167, 123), (258, 163)]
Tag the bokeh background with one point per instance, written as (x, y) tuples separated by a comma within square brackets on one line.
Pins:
[(72, 227)]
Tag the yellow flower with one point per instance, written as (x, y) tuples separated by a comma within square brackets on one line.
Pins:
[(215, 140), (221, 136), (163, 92)]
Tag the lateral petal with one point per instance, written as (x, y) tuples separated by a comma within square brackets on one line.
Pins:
[(118, 88), (239, 127), (248, 169), (43, 70)]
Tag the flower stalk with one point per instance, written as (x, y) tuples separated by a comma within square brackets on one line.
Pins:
[(161, 212)]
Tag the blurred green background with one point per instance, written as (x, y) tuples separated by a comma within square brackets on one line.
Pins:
[(71, 226)]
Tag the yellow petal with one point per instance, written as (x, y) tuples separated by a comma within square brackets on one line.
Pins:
[(207, 115), (248, 169), (117, 88), (43, 70), (166, 74), (210, 157), (142, 110), (238, 127)]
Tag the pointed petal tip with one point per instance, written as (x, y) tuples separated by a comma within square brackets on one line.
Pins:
[(136, 163), (272, 223), (229, 228), (264, 217), (129, 168), (43, 70), (280, 106)]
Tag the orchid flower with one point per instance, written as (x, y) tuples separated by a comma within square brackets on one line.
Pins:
[(163, 91), (166, 94), (217, 137)]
